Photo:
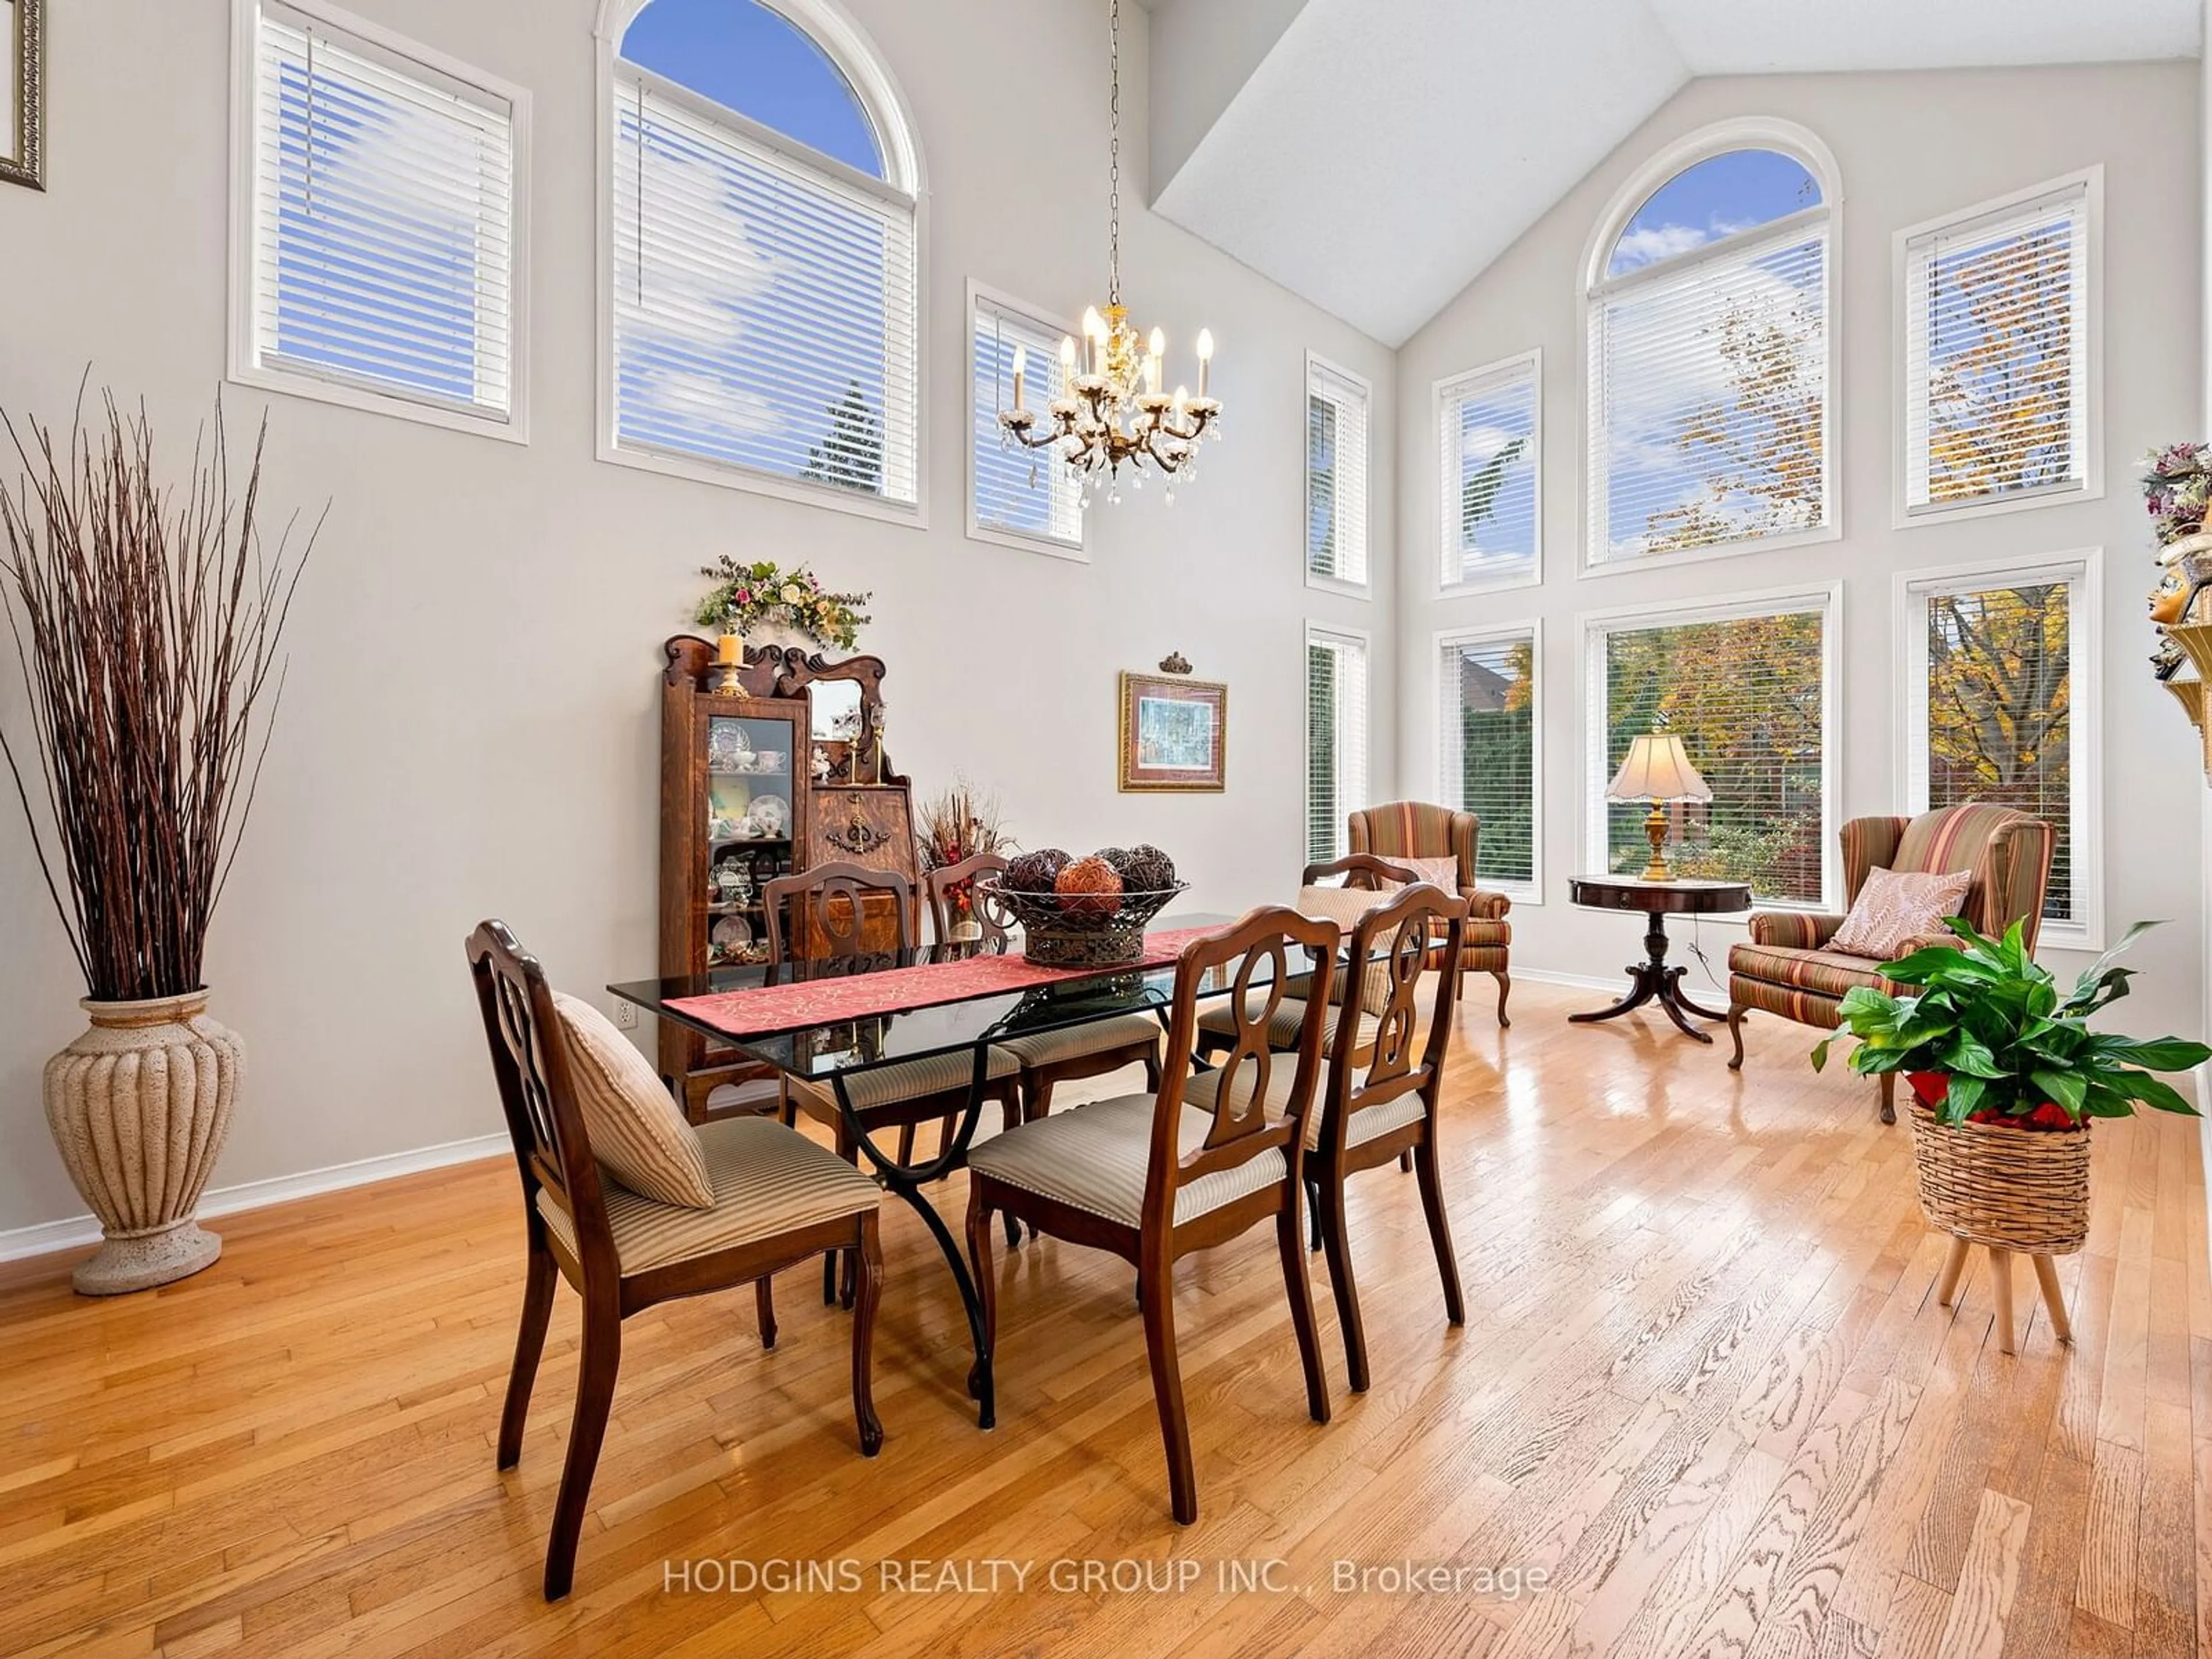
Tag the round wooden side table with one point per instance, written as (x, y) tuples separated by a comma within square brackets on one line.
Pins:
[(1651, 980)]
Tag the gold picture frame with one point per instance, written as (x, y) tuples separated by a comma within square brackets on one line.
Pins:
[(1174, 734), (23, 94)]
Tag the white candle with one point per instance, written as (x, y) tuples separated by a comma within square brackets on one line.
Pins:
[(1067, 363), (1158, 346), (1093, 326), (1205, 357), (1020, 358)]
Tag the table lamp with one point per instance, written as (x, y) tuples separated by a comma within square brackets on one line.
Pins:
[(1658, 768)]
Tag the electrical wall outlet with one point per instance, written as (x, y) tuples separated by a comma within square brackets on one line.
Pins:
[(625, 1014)]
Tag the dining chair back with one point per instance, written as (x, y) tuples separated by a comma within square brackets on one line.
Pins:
[(829, 914), (956, 884)]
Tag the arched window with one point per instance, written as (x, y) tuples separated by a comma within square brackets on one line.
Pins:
[(762, 263), (1711, 349)]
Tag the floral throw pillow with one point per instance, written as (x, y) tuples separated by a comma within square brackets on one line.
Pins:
[(1895, 907)]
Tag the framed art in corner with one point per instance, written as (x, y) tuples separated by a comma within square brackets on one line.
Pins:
[(1174, 733), (23, 95)]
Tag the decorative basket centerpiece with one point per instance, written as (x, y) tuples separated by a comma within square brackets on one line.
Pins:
[(1089, 912)]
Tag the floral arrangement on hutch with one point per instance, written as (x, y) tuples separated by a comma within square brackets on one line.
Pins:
[(147, 614), (2007, 1076), (763, 598)]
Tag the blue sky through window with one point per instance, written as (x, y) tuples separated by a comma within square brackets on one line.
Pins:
[(1497, 505), (1718, 197), (753, 60)]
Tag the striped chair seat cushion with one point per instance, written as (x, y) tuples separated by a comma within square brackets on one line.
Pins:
[(1098, 1037), (767, 1179), (1367, 1122), (1830, 973), (1096, 1158), (909, 1080)]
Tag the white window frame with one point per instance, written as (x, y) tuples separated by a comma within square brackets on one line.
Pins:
[(2090, 181), (1364, 589), (848, 47), (1528, 364), (981, 295), (1531, 628), (1321, 632), (1595, 625), (1748, 132), (2083, 570), (409, 56)]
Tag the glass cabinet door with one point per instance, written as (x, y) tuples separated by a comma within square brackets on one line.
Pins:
[(751, 814)]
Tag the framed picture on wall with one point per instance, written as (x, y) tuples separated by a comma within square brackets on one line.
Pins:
[(1174, 733), (23, 93)]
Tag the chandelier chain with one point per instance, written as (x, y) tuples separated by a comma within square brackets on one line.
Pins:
[(1114, 154)]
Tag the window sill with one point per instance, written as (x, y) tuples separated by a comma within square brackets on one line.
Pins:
[(1505, 581), (1600, 567), (1349, 589), (912, 514), (997, 535), (513, 429), (1912, 517)]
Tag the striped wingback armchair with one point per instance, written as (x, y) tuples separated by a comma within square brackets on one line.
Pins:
[(1785, 967), (1422, 830)]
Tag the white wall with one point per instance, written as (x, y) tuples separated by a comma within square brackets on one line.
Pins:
[(471, 727), (1910, 147)]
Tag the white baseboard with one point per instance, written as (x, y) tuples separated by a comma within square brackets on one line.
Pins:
[(1614, 983), (74, 1232)]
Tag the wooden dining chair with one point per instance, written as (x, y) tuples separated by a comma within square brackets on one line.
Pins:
[(832, 926), (1049, 1058), (1378, 1102), (1153, 1177), (778, 1199)]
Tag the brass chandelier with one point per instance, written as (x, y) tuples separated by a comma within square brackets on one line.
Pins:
[(1114, 410)]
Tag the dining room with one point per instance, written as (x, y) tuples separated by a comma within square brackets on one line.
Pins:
[(836, 828)]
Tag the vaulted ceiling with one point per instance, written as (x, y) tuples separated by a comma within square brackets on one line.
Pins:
[(1374, 156)]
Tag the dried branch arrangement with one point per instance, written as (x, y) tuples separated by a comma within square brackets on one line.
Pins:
[(960, 823), (147, 622)]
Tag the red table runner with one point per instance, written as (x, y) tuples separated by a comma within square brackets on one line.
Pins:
[(763, 1010)]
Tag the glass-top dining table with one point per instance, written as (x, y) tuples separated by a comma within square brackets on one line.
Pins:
[(808, 1038)]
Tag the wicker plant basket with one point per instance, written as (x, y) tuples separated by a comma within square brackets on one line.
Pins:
[(1084, 930), (2015, 1189)]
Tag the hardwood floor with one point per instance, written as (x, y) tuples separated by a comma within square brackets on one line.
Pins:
[(1704, 1388)]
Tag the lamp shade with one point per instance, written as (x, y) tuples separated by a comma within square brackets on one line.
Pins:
[(1657, 767)]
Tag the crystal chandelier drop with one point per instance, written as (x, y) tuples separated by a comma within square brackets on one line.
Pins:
[(1114, 411)]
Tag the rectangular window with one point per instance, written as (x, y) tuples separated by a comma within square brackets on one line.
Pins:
[(1487, 722), (1017, 494), (1997, 312), (380, 238), (1709, 399), (1336, 475), (1747, 689), (764, 305), (1997, 664), (1490, 428), (1336, 738)]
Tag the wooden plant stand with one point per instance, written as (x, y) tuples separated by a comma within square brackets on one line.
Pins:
[(2046, 1275)]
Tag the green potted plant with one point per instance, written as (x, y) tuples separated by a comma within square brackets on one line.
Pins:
[(2007, 1076)]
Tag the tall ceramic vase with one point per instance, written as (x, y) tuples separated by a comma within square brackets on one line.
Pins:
[(140, 1106)]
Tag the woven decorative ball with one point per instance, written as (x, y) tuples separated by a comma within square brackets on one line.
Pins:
[(1037, 872), (1145, 869), (1089, 887), (1115, 856)]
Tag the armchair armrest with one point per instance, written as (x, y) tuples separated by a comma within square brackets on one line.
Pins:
[(1485, 906), (1793, 930), (1925, 941)]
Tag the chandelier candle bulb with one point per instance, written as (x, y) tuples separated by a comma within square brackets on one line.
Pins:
[(1021, 357), (1205, 357)]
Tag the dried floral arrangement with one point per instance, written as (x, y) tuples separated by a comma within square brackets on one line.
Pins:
[(147, 622), (2177, 487), (960, 823), (745, 596)]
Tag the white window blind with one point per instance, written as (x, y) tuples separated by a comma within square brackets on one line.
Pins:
[(1336, 474), (1018, 491), (1336, 738), (1746, 693), (1995, 665), (382, 223), (1487, 723), (1996, 347), (764, 305), (1490, 463), (1709, 395)]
